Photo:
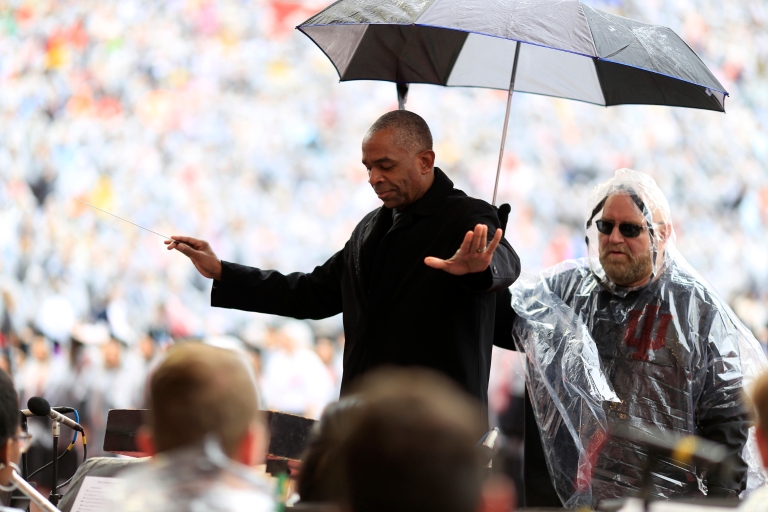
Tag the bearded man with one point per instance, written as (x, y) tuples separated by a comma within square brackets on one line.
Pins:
[(629, 336)]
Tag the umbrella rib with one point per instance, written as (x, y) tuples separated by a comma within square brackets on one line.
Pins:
[(506, 120)]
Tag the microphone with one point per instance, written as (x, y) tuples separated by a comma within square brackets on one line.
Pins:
[(61, 409), (486, 446), (682, 448), (39, 406)]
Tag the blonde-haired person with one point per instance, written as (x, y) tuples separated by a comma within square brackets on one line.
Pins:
[(205, 433)]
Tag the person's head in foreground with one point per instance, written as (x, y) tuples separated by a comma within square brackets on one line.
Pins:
[(413, 447), (323, 476), (631, 220), (397, 151), (13, 442), (198, 391)]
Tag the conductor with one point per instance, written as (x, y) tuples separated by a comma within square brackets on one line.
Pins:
[(415, 281)]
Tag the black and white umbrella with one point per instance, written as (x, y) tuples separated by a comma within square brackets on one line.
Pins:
[(560, 48)]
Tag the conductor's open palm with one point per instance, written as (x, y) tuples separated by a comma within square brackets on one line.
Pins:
[(199, 251), (472, 256)]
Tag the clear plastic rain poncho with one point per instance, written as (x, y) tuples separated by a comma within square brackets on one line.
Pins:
[(668, 354), (197, 478)]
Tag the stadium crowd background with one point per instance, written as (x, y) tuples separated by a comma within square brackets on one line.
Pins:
[(218, 120)]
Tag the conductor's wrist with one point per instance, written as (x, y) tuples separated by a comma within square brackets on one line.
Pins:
[(218, 271)]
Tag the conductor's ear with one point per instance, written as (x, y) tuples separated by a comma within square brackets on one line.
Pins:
[(426, 160)]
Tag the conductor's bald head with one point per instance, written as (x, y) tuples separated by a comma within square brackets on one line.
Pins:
[(397, 151)]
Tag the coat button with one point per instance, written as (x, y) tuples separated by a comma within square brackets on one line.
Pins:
[(494, 270)]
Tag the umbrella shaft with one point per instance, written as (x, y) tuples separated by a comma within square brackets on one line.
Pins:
[(506, 120)]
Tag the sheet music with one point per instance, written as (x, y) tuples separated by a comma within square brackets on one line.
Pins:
[(96, 494)]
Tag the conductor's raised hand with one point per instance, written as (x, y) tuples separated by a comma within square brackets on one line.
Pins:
[(472, 256), (199, 251)]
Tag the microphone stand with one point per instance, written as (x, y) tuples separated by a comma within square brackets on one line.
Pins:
[(18, 498), (24, 466), (54, 497)]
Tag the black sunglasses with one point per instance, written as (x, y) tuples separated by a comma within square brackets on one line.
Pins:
[(626, 229)]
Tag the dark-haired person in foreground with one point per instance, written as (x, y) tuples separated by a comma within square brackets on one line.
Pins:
[(415, 281), (13, 442), (411, 446)]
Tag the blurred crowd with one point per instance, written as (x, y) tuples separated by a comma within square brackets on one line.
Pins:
[(218, 120)]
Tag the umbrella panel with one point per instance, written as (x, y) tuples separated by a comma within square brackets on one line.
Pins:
[(405, 54), (649, 47), (623, 85), (487, 62), (400, 12)]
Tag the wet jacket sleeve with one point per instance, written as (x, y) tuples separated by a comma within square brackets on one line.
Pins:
[(721, 415), (314, 295), (505, 265)]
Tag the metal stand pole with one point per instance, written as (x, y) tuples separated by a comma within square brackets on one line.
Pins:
[(506, 119), (56, 431), (19, 499), (24, 467)]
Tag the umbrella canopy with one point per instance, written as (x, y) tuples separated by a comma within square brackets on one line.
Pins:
[(569, 50)]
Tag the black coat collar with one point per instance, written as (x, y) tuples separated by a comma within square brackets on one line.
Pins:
[(381, 222), (434, 197)]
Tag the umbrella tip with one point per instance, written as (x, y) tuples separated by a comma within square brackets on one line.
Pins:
[(402, 95)]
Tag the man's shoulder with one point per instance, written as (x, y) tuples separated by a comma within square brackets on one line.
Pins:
[(573, 270), (459, 199), (565, 279), (458, 196), (683, 280)]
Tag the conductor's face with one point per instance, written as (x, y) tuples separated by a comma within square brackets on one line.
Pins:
[(398, 175)]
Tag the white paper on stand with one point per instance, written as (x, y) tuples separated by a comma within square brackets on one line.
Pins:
[(96, 494)]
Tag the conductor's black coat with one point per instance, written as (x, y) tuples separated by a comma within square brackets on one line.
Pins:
[(397, 310)]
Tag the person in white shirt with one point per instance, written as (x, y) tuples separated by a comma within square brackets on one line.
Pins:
[(295, 379)]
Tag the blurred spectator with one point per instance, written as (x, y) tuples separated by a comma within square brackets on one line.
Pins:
[(116, 384), (295, 379), (329, 353), (45, 373)]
